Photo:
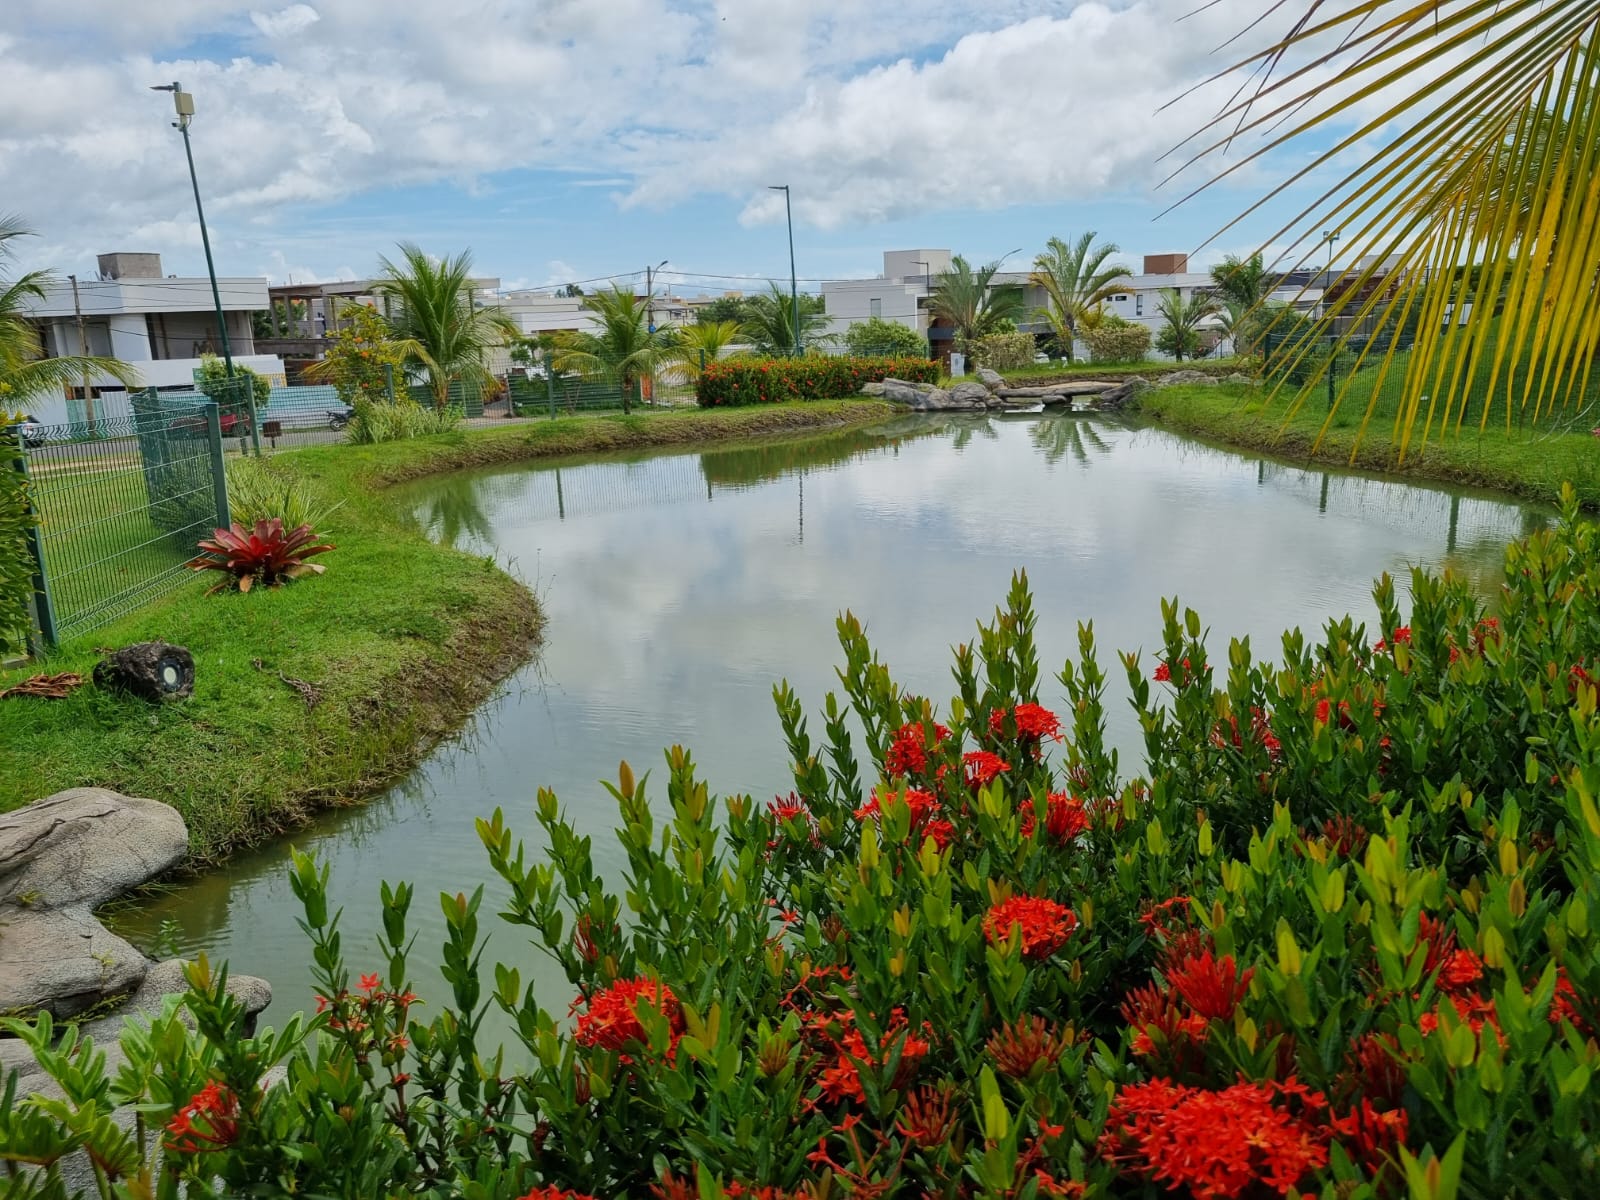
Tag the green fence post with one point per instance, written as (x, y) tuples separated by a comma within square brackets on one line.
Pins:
[(219, 470), (44, 609), (550, 389), (1333, 371), (388, 381)]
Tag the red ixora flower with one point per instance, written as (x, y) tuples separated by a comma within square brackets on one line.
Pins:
[(552, 1192), (1212, 987), (1066, 818), (1033, 722), (1045, 925), (982, 767), (1220, 1145), (217, 1111), (908, 750), (610, 1018)]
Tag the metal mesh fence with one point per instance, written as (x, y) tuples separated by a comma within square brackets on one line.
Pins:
[(121, 503), (565, 395)]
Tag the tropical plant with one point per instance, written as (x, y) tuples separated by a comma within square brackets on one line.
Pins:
[(769, 322), (965, 298), (1340, 937), (258, 490), (1075, 279), (263, 554), (876, 337), (703, 343), (379, 421), (438, 323), (16, 560), (1241, 290), (623, 350), (1481, 195), (814, 377), (1115, 340), (1179, 332), (723, 308), (25, 372), (1004, 351), (362, 360), (213, 380)]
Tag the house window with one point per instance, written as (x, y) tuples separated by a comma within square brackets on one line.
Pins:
[(1138, 305), (875, 307)]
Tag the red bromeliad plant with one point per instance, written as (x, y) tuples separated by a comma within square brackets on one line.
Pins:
[(1346, 951), (266, 554)]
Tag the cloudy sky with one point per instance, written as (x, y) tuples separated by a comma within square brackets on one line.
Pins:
[(574, 139)]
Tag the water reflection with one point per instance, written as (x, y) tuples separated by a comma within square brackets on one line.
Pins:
[(679, 588)]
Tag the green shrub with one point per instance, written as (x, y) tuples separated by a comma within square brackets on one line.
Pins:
[(1003, 351), (1122, 342), (380, 421), (877, 338), (260, 491), (16, 563), (212, 380), (814, 377)]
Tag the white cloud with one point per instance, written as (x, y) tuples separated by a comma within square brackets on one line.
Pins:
[(870, 115)]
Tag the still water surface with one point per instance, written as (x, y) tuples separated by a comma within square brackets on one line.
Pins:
[(680, 587)]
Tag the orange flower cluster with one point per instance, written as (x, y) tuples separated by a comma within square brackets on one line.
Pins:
[(555, 1193), (217, 1111), (982, 767), (842, 1079), (610, 1020), (1032, 723), (1045, 925), (908, 749), (1066, 819), (927, 819), (1212, 987)]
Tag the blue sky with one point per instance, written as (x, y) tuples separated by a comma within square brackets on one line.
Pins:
[(570, 139)]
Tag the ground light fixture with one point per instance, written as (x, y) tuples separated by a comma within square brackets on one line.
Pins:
[(183, 105), (794, 286)]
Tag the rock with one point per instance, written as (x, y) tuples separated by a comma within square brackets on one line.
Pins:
[(1117, 396), (85, 846), (970, 394), (63, 961), (151, 670), (901, 392), (166, 979), (1241, 378), (992, 380), (1177, 378), (872, 389)]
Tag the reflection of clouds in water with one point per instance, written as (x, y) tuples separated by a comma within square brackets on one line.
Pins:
[(671, 616)]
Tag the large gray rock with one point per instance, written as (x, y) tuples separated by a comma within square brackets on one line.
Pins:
[(1176, 378), (970, 394), (63, 961), (898, 391), (85, 846), (992, 380), (872, 389)]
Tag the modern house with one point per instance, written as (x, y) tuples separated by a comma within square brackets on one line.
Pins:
[(900, 294), (159, 324)]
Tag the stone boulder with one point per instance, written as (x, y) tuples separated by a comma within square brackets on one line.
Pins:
[(992, 380), (152, 671), (872, 389), (1178, 378), (925, 398), (970, 394), (60, 858)]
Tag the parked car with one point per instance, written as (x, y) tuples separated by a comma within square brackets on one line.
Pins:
[(33, 434), (233, 424)]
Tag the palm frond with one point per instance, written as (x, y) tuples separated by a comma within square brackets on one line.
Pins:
[(1476, 222)]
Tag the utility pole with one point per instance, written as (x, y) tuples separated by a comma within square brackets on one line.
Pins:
[(794, 289), (183, 105), (650, 293), (83, 351)]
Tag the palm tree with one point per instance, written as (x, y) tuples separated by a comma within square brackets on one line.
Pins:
[(704, 343), (1075, 279), (24, 371), (974, 309), (1180, 321), (1242, 288), (624, 349), (1486, 188), (438, 322), (769, 323)]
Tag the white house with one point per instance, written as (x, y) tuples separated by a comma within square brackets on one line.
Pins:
[(159, 325), (900, 294)]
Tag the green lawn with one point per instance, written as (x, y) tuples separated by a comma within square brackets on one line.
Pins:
[(403, 639), (1529, 462)]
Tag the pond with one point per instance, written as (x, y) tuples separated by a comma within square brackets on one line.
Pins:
[(679, 588)]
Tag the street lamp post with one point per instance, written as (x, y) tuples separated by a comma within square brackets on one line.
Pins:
[(1331, 236), (183, 105), (794, 285), (650, 292)]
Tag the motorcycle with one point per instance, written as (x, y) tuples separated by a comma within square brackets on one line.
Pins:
[(339, 418)]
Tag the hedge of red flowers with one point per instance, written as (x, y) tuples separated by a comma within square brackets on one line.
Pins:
[(812, 377), (1338, 938)]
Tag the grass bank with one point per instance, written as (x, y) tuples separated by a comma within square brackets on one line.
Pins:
[(1531, 464), (400, 641)]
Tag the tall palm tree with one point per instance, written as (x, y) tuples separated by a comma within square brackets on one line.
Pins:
[(1242, 288), (705, 342), (624, 349), (437, 320), (1481, 192), (1180, 321), (1075, 279), (963, 296), (769, 323), (24, 371)]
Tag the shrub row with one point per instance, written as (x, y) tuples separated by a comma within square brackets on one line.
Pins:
[(815, 377), (1342, 938), (16, 563), (1004, 351)]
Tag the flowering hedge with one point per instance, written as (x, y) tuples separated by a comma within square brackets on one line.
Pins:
[(1338, 939), (815, 377)]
